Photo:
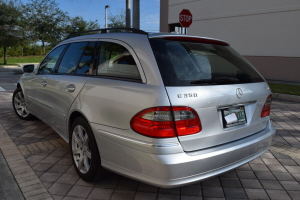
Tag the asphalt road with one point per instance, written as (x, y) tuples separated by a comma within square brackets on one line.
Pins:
[(8, 79)]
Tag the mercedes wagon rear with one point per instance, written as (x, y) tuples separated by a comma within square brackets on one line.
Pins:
[(216, 117)]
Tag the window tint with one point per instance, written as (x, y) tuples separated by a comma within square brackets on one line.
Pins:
[(48, 64), (115, 60), (71, 58), (187, 64), (86, 59)]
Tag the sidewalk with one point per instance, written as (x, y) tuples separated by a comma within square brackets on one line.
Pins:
[(41, 164)]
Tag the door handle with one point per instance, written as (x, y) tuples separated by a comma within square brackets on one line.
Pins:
[(70, 88), (44, 83)]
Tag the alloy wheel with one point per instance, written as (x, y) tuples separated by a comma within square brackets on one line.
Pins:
[(20, 105), (81, 149)]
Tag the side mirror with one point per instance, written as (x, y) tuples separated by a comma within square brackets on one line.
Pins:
[(28, 68)]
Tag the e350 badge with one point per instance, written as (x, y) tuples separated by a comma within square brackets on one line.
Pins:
[(187, 95)]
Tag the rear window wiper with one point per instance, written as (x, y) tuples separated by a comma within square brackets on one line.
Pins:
[(214, 81)]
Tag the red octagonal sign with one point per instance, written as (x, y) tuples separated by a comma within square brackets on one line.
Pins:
[(185, 18)]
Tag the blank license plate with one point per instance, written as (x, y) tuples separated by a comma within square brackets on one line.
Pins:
[(233, 116)]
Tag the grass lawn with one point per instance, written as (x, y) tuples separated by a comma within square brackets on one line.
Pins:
[(285, 88), (24, 59)]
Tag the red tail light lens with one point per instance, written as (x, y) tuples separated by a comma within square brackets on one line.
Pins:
[(267, 107), (154, 122), (166, 122), (186, 120)]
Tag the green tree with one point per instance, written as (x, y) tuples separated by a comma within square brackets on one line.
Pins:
[(78, 24), (117, 21), (47, 21), (11, 25)]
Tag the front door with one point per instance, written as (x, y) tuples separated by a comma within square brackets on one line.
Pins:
[(35, 86)]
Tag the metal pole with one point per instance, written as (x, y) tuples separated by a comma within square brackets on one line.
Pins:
[(107, 6), (128, 13), (136, 14)]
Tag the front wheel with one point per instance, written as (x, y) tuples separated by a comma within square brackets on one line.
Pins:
[(20, 106), (85, 153)]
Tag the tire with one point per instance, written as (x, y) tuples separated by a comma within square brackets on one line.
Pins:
[(19, 105), (84, 151)]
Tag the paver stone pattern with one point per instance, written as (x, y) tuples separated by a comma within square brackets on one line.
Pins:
[(274, 175)]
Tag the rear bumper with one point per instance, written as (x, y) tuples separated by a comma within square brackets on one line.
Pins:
[(177, 169)]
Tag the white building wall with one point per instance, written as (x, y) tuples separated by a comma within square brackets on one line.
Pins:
[(256, 28)]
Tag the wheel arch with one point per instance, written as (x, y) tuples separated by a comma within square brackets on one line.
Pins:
[(19, 85), (72, 117)]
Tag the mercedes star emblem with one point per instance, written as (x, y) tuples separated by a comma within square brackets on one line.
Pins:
[(239, 93)]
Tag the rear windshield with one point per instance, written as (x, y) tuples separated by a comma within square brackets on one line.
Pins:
[(184, 63)]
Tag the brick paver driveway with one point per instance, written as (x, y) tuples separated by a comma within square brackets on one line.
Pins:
[(41, 163)]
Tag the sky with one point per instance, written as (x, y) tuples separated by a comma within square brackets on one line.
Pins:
[(95, 10)]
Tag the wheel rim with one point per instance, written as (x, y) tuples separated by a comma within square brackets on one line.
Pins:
[(81, 149), (20, 105)]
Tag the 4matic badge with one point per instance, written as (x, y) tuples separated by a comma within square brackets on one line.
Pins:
[(187, 95)]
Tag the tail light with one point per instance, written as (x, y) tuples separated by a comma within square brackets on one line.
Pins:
[(166, 122), (267, 107)]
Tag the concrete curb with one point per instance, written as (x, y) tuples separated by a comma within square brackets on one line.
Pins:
[(18, 68), (286, 97), (17, 65), (29, 183), (9, 66)]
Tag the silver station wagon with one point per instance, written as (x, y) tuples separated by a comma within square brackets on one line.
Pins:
[(165, 109)]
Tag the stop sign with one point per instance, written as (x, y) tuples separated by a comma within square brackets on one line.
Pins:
[(185, 18)]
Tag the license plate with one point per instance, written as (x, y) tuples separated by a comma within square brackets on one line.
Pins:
[(234, 116)]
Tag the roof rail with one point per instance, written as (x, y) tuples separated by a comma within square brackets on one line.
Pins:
[(108, 30)]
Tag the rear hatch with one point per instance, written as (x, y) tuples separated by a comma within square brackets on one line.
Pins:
[(223, 88)]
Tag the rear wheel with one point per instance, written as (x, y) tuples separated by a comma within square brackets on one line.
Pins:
[(20, 106), (85, 153)]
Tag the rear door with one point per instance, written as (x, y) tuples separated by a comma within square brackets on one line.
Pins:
[(225, 90)]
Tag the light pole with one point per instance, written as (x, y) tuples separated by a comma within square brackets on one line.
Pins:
[(107, 6), (128, 13), (136, 14)]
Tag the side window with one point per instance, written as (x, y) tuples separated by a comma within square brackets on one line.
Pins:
[(71, 58), (48, 64), (86, 59), (115, 60)]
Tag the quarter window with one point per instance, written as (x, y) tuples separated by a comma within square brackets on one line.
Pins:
[(48, 64), (71, 58), (115, 60)]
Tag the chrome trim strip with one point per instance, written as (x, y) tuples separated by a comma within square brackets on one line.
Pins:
[(137, 141), (49, 107), (235, 105)]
